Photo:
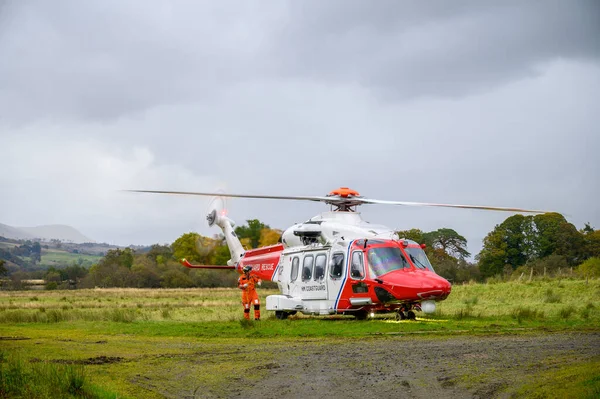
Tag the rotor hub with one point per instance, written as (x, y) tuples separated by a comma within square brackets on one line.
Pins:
[(344, 192)]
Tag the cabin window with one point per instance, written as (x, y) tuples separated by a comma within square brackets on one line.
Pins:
[(336, 268), (307, 266), (295, 267), (320, 263), (357, 269)]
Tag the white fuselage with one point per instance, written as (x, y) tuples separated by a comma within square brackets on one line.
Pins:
[(337, 226)]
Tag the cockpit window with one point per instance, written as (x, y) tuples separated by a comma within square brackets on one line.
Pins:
[(357, 267), (419, 259), (383, 260)]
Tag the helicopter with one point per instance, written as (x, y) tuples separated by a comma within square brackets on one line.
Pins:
[(336, 262)]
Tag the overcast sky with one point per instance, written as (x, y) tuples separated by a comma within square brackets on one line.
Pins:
[(471, 102)]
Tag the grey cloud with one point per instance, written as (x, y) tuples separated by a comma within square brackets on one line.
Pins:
[(406, 50), (110, 59), (103, 60)]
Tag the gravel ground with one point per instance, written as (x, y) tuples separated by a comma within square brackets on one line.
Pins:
[(410, 367)]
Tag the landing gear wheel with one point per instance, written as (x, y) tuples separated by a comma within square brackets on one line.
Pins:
[(360, 315), (400, 316), (281, 315), (410, 315)]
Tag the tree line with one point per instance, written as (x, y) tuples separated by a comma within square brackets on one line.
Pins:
[(155, 267), (521, 245)]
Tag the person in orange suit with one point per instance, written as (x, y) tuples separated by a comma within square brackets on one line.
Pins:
[(247, 283)]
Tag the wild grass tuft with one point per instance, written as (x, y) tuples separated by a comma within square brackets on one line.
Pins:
[(166, 313), (122, 315), (22, 379), (525, 313), (567, 312), (471, 301), (551, 297), (246, 324), (464, 313)]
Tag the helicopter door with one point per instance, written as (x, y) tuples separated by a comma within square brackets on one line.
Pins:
[(311, 282), (335, 277), (360, 290)]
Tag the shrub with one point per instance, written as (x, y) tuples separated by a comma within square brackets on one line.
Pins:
[(589, 268), (51, 285)]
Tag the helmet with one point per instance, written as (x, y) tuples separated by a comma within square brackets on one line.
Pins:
[(247, 269)]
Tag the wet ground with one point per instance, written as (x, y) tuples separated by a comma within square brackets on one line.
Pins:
[(400, 367)]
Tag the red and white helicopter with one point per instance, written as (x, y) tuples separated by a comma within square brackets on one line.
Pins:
[(338, 263)]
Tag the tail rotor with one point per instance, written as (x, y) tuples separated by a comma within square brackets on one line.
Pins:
[(217, 207)]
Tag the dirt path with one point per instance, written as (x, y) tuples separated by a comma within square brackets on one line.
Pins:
[(400, 367)]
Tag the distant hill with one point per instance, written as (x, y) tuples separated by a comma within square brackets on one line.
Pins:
[(49, 232), (14, 233)]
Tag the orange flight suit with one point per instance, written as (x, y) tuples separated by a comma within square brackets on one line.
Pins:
[(247, 283)]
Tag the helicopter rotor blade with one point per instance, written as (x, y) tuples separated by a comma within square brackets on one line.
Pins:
[(346, 201), (479, 207), (287, 197)]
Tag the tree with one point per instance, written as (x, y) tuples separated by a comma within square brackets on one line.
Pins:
[(252, 231), (447, 251), (505, 245), (3, 269), (554, 235), (592, 243), (449, 241), (36, 252), (195, 248), (120, 257), (163, 252), (587, 229), (413, 234), (269, 237), (221, 255), (522, 239)]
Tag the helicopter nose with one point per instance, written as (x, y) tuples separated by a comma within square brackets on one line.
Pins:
[(417, 285), (444, 286), (436, 286)]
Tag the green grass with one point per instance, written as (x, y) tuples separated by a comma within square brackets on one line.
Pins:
[(53, 257), (580, 381), (39, 379), (153, 331)]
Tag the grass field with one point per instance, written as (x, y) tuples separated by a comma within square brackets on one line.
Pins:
[(53, 257), (130, 341)]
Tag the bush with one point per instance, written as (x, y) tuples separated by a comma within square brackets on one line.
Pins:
[(589, 268)]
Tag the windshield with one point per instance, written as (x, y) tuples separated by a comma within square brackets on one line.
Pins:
[(386, 259), (418, 257)]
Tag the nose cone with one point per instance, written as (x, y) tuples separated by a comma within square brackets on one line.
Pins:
[(443, 285), (417, 285)]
